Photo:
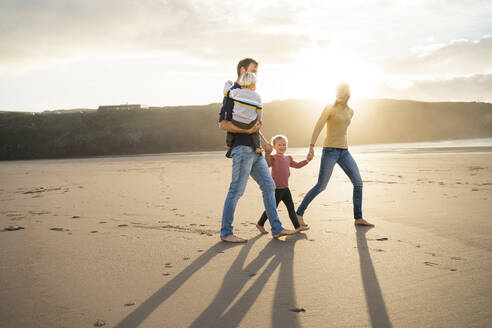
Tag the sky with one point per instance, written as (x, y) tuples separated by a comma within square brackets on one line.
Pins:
[(67, 54)]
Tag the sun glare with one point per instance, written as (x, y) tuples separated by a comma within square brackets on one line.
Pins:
[(326, 68)]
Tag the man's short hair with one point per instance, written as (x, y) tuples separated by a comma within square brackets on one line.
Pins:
[(245, 63)]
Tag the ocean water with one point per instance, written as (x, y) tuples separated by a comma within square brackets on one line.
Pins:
[(471, 146), (482, 145)]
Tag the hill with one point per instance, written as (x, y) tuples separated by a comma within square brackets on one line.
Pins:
[(81, 133)]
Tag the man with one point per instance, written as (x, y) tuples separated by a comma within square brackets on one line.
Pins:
[(246, 162)]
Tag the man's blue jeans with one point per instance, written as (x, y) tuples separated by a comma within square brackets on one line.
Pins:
[(246, 162), (330, 157)]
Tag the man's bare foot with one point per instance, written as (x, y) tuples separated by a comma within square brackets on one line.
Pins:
[(261, 228), (258, 150), (233, 239), (301, 221), (302, 228), (363, 223), (284, 232)]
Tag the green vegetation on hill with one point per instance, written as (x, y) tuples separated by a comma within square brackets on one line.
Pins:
[(75, 133)]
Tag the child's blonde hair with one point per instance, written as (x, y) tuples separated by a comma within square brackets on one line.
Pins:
[(247, 80), (279, 136)]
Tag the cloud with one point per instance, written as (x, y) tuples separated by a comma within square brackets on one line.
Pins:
[(476, 87), (454, 58), (37, 30)]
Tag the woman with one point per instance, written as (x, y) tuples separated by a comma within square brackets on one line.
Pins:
[(337, 118)]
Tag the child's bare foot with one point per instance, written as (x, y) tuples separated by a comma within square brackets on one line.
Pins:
[(363, 222), (261, 228), (301, 221), (284, 232), (258, 150), (233, 239), (302, 228)]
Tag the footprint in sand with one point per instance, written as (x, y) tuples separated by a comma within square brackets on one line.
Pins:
[(456, 258), (186, 258), (57, 229), (122, 225), (99, 323), (297, 310), (381, 239), (13, 228), (75, 217), (166, 274), (93, 231), (130, 303), (430, 263)]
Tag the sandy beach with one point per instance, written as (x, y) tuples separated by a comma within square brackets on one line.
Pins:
[(134, 242)]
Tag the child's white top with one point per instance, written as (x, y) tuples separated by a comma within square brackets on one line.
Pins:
[(247, 104)]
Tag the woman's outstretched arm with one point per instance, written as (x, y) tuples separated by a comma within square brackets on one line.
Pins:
[(320, 124), (317, 129)]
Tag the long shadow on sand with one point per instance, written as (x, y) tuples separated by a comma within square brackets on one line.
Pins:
[(374, 297), (137, 316), (276, 253), (281, 254)]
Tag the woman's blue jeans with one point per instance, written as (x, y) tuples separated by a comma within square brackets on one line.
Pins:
[(330, 157)]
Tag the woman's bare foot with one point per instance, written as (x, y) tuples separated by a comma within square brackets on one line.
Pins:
[(284, 232), (363, 223), (261, 228), (302, 228), (301, 221), (233, 239), (258, 150)]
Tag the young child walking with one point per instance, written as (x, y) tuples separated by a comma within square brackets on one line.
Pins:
[(247, 108), (281, 164)]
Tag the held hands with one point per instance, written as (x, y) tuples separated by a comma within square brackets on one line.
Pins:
[(310, 154), (268, 148)]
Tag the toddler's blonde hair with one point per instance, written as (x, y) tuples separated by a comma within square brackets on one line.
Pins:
[(247, 80), (279, 136)]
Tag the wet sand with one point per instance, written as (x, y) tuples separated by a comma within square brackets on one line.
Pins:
[(133, 241)]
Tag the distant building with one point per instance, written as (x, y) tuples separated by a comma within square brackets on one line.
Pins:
[(120, 107)]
